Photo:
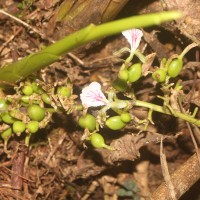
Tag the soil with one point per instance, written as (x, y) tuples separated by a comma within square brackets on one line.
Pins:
[(57, 165)]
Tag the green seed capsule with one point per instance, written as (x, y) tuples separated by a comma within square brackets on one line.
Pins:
[(64, 91), (120, 85), (135, 72), (16, 114), (123, 75), (79, 107), (115, 123), (33, 126), (25, 99), (125, 117), (175, 67), (3, 105), (45, 97), (159, 75), (6, 134), (36, 88), (27, 90), (87, 121), (18, 127), (7, 118), (36, 113), (97, 140)]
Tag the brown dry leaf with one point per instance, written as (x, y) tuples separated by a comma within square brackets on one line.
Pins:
[(146, 66), (141, 177)]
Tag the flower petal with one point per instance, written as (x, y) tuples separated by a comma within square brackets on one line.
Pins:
[(134, 37), (92, 96)]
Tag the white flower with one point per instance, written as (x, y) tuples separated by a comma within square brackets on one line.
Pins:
[(134, 37), (92, 96)]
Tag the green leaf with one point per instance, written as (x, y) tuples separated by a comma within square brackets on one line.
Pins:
[(16, 71)]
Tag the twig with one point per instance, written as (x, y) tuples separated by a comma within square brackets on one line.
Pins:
[(8, 171), (24, 24), (18, 168), (8, 194), (26, 182), (180, 180), (90, 190), (166, 174), (191, 133), (6, 164), (43, 36), (10, 39), (60, 141)]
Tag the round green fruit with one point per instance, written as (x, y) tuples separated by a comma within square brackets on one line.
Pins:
[(87, 121), (25, 99), (6, 134), (64, 91), (115, 123), (3, 105), (123, 75), (79, 107), (36, 113), (175, 67), (27, 90), (45, 97), (16, 114), (97, 140), (33, 126), (18, 127), (7, 118), (125, 117), (159, 75), (134, 72), (120, 85), (37, 88)]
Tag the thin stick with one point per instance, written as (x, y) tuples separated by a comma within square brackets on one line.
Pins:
[(165, 172), (24, 24), (183, 178), (90, 190), (43, 36), (191, 133), (60, 141)]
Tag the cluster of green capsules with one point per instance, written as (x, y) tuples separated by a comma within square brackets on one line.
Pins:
[(89, 122), (29, 109)]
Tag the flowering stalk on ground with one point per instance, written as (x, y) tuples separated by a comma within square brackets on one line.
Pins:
[(30, 109), (92, 95)]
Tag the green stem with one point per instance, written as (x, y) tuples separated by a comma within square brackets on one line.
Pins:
[(160, 109), (14, 72), (140, 56), (127, 61), (188, 48)]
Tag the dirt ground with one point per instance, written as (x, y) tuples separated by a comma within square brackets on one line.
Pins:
[(56, 165)]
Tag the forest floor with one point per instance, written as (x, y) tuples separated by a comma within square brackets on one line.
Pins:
[(57, 166)]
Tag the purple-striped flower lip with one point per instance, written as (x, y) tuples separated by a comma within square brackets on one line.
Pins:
[(92, 96), (133, 36)]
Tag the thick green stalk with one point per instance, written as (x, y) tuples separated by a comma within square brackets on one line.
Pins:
[(16, 71), (160, 109)]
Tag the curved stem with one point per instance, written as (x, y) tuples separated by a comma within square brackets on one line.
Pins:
[(140, 56), (188, 48), (160, 109)]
